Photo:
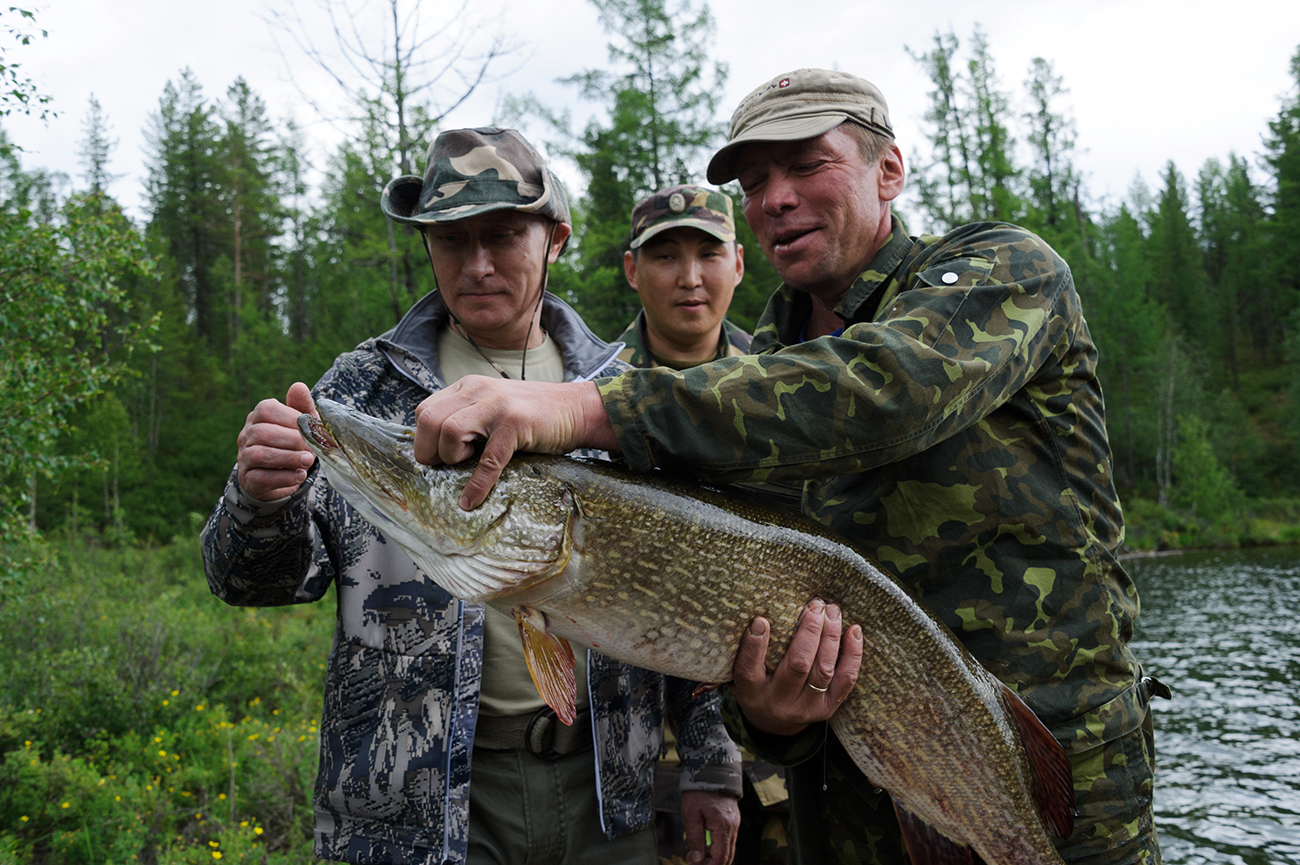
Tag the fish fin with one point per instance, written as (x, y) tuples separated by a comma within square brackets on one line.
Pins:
[(550, 662), (705, 687), (926, 845), (1053, 779)]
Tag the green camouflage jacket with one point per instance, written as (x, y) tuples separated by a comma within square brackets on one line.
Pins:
[(636, 352), (955, 432), (402, 686)]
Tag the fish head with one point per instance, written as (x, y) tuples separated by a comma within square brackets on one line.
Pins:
[(517, 538)]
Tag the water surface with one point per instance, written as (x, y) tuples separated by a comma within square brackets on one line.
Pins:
[(1223, 631)]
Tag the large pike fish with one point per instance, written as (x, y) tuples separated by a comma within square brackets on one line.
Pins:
[(668, 576)]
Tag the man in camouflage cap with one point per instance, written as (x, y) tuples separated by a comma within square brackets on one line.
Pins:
[(685, 264), (938, 398), (419, 683)]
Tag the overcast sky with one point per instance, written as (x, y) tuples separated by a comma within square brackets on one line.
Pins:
[(1148, 80)]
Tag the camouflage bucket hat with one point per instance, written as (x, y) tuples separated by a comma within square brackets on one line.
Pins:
[(684, 207), (801, 104), (474, 171)]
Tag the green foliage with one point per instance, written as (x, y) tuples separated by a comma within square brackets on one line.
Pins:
[(1203, 484), (140, 719), (658, 128), (972, 173), (18, 92), (250, 277), (68, 333)]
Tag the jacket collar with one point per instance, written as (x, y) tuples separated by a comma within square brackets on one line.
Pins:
[(412, 347), (875, 285)]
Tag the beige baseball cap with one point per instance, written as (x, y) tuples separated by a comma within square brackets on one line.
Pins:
[(798, 105)]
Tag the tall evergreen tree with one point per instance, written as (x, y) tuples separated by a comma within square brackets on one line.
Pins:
[(1129, 329), (658, 128), (1053, 179), (972, 174), (96, 150), (995, 177), (1283, 158), (943, 182), (181, 189), (1177, 276)]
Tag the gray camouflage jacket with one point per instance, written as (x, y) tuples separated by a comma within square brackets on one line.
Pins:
[(402, 687)]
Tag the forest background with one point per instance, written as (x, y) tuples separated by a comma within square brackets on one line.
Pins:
[(134, 346)]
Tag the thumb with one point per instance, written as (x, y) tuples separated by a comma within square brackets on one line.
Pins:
[(299, 397)]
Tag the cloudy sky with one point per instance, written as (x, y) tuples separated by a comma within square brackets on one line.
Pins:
[(1148, 80)]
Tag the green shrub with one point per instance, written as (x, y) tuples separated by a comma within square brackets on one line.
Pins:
[(141, 720)]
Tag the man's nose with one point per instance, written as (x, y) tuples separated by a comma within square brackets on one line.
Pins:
[(478, 262), (689, 272), (779, 193)]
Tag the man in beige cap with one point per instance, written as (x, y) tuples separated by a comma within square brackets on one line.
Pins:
[(938, 398)]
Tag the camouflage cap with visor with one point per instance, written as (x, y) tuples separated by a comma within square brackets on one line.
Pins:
[(476, 171), (684, 207), (799, 105)]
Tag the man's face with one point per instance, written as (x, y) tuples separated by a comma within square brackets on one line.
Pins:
[(685, 278), (820, 212), (489, 270)]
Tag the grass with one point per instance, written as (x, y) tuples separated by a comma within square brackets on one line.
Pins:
[(142, 720)]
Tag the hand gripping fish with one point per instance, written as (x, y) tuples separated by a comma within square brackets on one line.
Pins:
[(667, 576)]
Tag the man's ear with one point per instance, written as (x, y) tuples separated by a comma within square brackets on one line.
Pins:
[(629, 267), (559, 234), (740, 263), (892, 173)]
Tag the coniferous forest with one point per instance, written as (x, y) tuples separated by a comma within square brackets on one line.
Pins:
[(133, 348)]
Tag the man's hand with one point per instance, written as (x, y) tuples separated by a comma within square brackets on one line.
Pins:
[(273, 459), (509, 416), (811, 681), (720, 815)]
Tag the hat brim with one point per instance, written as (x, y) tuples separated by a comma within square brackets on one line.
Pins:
[(400, 202), (710, 228), (722, 167)]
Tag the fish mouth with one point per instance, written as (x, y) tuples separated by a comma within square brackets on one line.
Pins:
[(314, 430)]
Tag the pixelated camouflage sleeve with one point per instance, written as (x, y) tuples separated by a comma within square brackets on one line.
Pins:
[(264, 554), (977, 322), (710, 759)]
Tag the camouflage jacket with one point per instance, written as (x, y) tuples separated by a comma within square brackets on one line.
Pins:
[(955, 432), (636, 346), (402, 687)]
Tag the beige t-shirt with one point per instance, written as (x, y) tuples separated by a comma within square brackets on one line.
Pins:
[(507, 687)]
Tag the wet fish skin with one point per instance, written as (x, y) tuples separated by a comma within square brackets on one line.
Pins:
[(668, 576)]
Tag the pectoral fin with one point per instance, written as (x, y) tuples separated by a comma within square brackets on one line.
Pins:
[(1053, 779), (925, 845), (550, 662)]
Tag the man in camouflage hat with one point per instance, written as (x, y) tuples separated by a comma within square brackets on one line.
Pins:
[(684, 264), (435, 745), (938, 398)]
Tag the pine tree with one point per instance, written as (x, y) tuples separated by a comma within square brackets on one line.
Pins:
[(1053, 179), (972, 175), (1283, 158), (658, 128), (182, 186), (1177, 277), (96, 150)]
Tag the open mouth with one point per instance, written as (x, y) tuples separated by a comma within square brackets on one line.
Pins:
[(785, 240)]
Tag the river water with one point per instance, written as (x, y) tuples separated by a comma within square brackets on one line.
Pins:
[(1223, 631)]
